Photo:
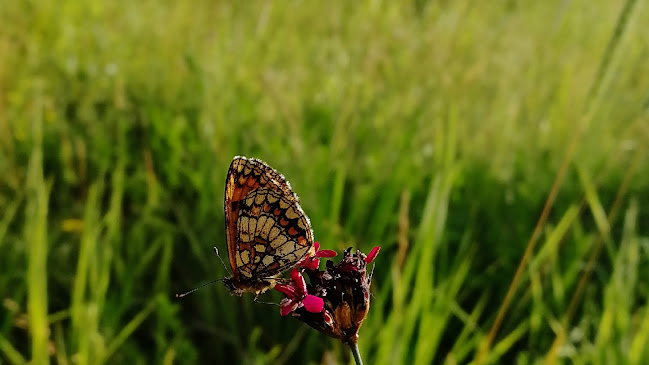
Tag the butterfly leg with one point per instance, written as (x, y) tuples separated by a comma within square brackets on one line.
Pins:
[(256, 300)]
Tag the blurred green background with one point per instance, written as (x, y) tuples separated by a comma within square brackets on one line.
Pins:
[(489, 147)]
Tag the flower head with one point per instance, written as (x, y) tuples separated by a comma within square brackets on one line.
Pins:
[(345, 290)]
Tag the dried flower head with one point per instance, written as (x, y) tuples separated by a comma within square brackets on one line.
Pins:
[(345, 289)]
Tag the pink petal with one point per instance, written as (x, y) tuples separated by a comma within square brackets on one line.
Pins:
[(316, 245), (287, 306), (298, 280), (311, 264), (295, 275), (372, 255), (313, 304), (286, 289), (326, 253)]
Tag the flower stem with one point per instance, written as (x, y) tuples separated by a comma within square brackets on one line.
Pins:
[(356, 353)]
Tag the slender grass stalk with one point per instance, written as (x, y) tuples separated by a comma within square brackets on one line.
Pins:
[(36, 235), (356, 353), (9, 351)]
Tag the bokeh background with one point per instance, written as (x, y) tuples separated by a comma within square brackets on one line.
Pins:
[(496, 150)]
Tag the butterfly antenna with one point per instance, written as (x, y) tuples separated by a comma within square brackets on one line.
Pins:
[(216, 251), (193, 290)]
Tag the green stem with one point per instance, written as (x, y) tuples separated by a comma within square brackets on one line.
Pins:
[(356, 353)]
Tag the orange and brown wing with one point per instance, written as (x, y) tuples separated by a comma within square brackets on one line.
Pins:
[(274, 234), (245, 176)]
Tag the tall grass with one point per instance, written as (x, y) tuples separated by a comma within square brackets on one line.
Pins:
[(496, 152)]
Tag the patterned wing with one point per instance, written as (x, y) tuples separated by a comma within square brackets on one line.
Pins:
[(245, 176), (274, 235)]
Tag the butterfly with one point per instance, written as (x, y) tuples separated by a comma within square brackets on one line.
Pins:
[(266, 230)]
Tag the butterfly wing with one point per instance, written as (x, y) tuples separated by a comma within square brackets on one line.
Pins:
[(245, 177), (274, 235)]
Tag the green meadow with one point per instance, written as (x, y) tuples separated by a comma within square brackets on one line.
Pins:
[(497, 151)]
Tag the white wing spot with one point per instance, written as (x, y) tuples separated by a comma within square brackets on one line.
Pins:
[(274, 232), (266, 229), (291, 213), (259, 198), (252, 227), (261, 222), (245, 257), (278, 241), (242, 227)]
